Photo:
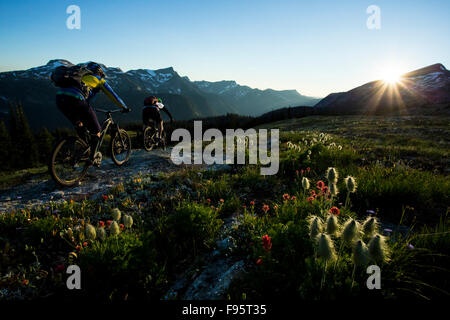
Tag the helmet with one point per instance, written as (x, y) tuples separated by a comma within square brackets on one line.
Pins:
[(96, 69), (150, 101)]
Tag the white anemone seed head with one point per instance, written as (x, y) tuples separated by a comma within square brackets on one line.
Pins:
[(334, 189), (116, 214), (325, 247), (360, 253), (350, 183), (351, 231), (90, 232), (332, 224), (114, 228), (305, 183), (315, 226), (370, 226), (378, 249), (332, 175), (127, 221), (101, 233)]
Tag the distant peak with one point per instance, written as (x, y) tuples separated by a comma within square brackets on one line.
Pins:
[(58, 61)]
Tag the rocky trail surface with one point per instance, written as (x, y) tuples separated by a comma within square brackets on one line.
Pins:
[(41, 188)]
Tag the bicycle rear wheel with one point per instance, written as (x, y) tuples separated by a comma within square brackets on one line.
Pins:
[(69, 161), (120, 147), (149, 138)]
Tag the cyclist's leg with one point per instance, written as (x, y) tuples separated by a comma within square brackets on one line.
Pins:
[(90, 120)]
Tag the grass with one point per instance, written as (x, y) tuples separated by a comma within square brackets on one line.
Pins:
[(179, 216)]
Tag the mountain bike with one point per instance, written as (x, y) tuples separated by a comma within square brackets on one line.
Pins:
[(69, 160), (152, 139)]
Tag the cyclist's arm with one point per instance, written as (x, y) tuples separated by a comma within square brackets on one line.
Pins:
[(168, 113), (96, 82)]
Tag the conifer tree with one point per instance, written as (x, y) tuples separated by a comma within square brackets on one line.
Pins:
[(44, 142), (5, 162)]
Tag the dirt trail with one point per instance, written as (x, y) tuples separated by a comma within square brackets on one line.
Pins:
[(41, 188)]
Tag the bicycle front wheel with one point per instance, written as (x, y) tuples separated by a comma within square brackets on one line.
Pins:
[(69, 161), (120, 147)]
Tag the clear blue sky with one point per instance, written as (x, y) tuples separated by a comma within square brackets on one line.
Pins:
[(315, 47)]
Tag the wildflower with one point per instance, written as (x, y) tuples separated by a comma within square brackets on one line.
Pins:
[(334, 210), (296, 173), (252, 203), (108, 223), (265, 208), (308, 169), (221, 201), (410, 246), (25, 282), (332, 175), (105, 197), (388, 231), (69, 233), (325, 247), (315, 226), (208, 201), (293, 198), (101, 224), (369, 226), (101, 233), (378, 250), (305, 183), (259, 261), (371, 212), (275, 207), (59, 268), (127, 221), (267, 243), (351, 184), (116, 214), (302, 171), (286, 197), (310, 199), (78, 247), (85, 244), (325, 190), (333, 190), (114, 228), (360, 253), (351, 230), (90, 232), (121, 226), (332, 224), (320, 184)]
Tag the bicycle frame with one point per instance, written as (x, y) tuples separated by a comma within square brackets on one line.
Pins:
[(107, 123)]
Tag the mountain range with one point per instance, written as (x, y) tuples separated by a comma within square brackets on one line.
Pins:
[(426, 86), (185, 99)]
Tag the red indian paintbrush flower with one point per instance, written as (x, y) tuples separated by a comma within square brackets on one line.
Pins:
[(320, 184), (267, 243), (334, 210), (101, 224), (252, 203), (259, 261), (310, 199), (286, 196), (105, 197), (265, 208)]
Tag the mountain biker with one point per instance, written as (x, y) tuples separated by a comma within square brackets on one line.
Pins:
[(74, 103), (151, 112)]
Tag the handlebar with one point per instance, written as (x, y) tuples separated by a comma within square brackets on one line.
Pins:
[(111, 111)]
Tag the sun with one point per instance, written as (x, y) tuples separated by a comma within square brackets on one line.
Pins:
[(391, 77), (391, 74)]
